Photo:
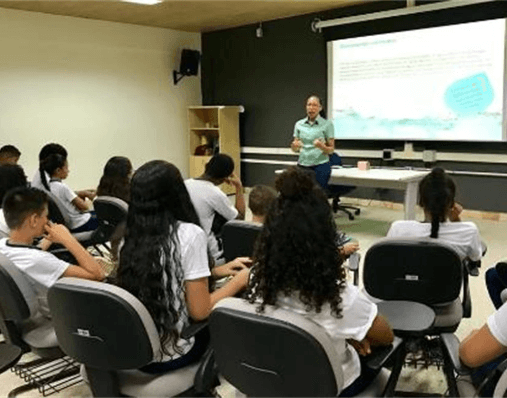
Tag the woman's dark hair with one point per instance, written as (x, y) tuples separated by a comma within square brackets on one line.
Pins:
[(11, 176), (50, 165), (296, 251), (150, 260), (219, 166), (116, 178), (436, 196), (322, 112)]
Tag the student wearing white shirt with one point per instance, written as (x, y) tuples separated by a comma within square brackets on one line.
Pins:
[(212, 205), (441, 218), (298, 268), (164, 263), (26, 214), (57, 167)]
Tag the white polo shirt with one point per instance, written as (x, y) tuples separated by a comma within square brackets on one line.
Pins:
[(208, 200), (42, 269)]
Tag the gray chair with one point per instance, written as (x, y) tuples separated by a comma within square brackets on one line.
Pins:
[(22, 321), (239, 238), (59, 214), (24, 326), (277, 353), (112, 334), (419, 282)]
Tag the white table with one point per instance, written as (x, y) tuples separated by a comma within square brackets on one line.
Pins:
[(400, 179)]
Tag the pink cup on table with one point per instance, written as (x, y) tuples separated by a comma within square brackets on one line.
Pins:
[(363, 165)]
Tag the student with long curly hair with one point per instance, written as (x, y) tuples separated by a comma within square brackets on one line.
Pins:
[(115, 180), (298, 267), (164, 262)]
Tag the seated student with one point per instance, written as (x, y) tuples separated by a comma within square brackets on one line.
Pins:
[(11, 176), (485, 348), (259, 201), (26, 213), (164, 262), (212, 205), (115, 181), (57, 167), (9, 154), (46, 151), (441, 218), (297, 267)]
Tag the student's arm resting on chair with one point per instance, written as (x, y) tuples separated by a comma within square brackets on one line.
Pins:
[(480, 347), (80, 204), (200, 301), (232, 267), (379, 334), (88, 268)]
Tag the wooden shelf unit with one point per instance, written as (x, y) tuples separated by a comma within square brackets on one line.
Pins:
[(218, 128)]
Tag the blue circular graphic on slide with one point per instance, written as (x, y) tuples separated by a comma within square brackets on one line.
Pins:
[(470, 96)]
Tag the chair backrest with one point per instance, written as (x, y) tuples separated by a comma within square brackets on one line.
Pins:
[(111, 214), (57, 211), (239, 238), (276, 353), (423, 270), (101, 325), (18, 300)]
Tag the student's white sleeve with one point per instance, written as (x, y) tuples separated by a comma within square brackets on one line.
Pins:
[(220, 203), (68, 193), (476, 248), (497, 324), (194, 258), (393, 231), (358, 314), (46, 269)]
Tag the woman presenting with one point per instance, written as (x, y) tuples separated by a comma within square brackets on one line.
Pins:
[(314, 140)]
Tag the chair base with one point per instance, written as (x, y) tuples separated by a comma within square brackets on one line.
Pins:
[(47, 375), (345, 208)]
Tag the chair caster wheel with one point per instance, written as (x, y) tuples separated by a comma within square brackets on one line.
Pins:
[(357, 212), (351, 217)]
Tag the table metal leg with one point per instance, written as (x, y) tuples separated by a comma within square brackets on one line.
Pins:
[(410, 200)]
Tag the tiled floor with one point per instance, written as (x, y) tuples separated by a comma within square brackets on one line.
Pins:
[(371, 225)]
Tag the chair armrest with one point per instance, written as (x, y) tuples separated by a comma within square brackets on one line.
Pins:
[(353, 265), (472, 267), (192, 329), (206, 377), (381, 354), (467, 299), (451, 347)]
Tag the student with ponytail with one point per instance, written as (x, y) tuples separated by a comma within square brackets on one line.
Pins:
[(56, 167), (441, 217)]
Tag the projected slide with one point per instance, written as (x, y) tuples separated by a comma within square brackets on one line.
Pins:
[(443, 83)]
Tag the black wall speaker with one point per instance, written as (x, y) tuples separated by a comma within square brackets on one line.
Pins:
[(189, 64)]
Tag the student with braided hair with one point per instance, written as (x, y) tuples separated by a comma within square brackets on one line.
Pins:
[(441, 217)]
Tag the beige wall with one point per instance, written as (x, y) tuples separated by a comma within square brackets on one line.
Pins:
[(98, 88)]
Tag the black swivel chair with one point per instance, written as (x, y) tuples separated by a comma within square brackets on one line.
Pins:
[(112, 334), (419, 282), (112, 218), (238, 238), (336, 191)]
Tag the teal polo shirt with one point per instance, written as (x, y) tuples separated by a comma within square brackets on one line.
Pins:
[(307, 133)]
